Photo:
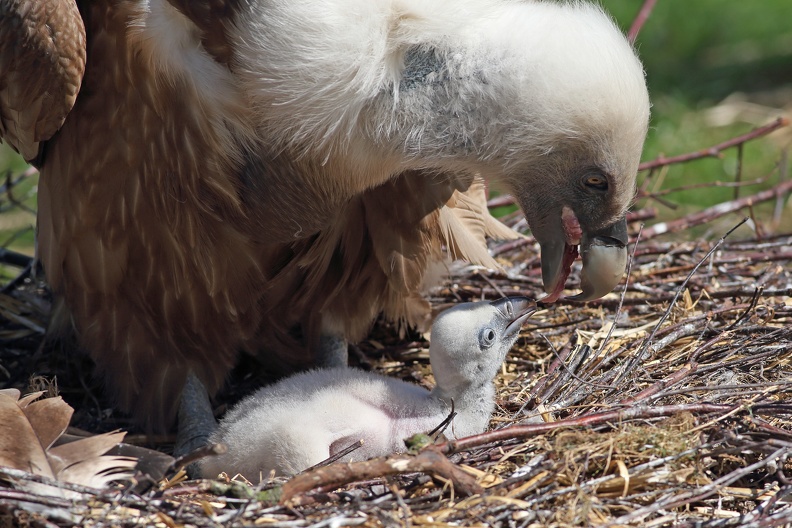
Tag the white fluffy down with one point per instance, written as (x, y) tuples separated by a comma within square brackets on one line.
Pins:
[(302, 420), (543, 68)]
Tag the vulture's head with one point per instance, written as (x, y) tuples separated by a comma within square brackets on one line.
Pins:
[(548, 99), (574, 145)]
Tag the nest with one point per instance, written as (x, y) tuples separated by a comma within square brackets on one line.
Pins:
[(666, 402)]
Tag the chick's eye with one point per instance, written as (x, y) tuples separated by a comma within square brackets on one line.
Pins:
[(596, 181), (487, 338)]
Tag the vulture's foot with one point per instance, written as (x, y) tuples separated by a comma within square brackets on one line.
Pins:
[(333, 352), (196, 420)]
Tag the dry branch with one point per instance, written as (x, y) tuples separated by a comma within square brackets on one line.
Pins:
[(640, 20), (517, 432), (430, 461), (717, 211), (715, 150)]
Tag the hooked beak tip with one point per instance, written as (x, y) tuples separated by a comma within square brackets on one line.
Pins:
[(604, 255), (604, 263)]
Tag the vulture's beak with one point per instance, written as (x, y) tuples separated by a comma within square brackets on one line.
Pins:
[(514, 311), (604, 255)]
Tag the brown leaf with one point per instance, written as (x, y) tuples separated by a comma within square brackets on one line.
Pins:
[(13, 393), (50, 418), (28, 398), (19, 445), (28, 429)]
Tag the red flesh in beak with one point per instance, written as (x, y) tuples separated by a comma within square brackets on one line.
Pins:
[(572, 235)]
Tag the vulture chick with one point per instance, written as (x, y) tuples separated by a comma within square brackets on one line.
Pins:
[(307, 418), (260, 175)]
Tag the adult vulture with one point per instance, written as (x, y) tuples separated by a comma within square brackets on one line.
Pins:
[(269, 175)]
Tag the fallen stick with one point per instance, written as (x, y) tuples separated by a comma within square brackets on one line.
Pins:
[(517, 432), (431, 461), (716, 211), (715, 150)]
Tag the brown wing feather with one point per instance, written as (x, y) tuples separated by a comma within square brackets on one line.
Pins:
[(42, 61), (374, 255), (149, 231), (147, 245), (210, 17), (465, 222)]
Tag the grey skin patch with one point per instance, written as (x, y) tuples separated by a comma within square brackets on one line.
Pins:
[(422, 66), (441, 95), (427, 65)]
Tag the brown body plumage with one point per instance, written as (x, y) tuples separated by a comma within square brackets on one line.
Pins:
[(178, 227)]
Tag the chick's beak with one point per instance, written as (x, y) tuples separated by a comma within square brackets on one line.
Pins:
[(515, 311)]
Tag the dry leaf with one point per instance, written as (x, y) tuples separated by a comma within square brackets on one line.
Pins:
[(28, 430)]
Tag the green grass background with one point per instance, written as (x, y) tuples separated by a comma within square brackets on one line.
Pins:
[(696, 53)]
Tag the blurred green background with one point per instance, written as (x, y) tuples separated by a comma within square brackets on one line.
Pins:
[(697, 54), (716, 69)]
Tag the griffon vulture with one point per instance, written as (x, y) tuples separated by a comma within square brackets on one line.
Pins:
[(306, 418), (269, 175)]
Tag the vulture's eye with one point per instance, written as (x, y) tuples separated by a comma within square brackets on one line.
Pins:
[(487, 338), (596, 181)]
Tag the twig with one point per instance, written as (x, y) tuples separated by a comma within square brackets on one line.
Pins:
[(705, 185), (663, 297), (517, 432), (655, 388), (32, 498), (640, 20), (757, 293), (748, 388), (341, 454), (716, 211), (434, 433), (738, 176), (13, 258), (593, 483), (637, 358), (431, 460), (783, 169), (197, 454), (704, 491), (540, 385), (16, 474), (19, 279), (624, 291), (715, 150), (9, 186), (578, 352)]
